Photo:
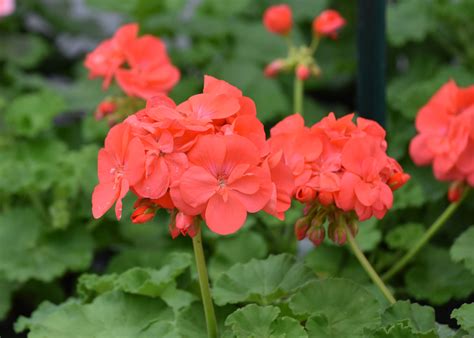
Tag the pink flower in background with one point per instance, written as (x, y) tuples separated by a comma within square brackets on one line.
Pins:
[(7, 7)]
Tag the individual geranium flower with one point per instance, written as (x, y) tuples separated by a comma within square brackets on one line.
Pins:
[(362, 188), (328, 23), (110, 54), (445, 132), (223, 183), (120, 165), (7, 7), (162, 165), (278, 19), (150, 71)]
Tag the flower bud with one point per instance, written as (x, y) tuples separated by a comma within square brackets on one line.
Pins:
[(337, 233), (105, 108), (328, 23), (305, 194), (316, 235), (273, 68), (278, 19), (301, 227), (144, 211), (455, 191), (302, 72), (397, 180)]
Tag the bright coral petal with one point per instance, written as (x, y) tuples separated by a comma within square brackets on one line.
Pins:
[(225, 217), (197, 185), (103, 197)]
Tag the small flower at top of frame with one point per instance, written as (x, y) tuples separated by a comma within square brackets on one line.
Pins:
[(328, 23), (278, 19)]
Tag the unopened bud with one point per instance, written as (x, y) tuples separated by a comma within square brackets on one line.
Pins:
[(397, 180), (273, 68), (316, 235), (455, 191), (144, 211), (105, 108), (302, 72), (305, 194), (301, 227), (337, 233)]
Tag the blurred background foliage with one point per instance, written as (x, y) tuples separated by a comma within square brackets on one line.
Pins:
[(49, 139)]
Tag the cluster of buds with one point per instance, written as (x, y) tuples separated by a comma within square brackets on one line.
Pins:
[(317, 217), (115, 109), (278, 20)]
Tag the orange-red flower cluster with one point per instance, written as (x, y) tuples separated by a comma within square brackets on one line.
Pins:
[(140, 65), (338, 166), (445, 137), (328, 23), (207, 156)]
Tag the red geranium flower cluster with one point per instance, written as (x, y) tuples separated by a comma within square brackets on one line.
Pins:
[(207, 156), (445, 137), (340, 168), (139, 64)]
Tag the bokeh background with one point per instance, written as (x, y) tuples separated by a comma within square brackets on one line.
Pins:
[(49, 138)]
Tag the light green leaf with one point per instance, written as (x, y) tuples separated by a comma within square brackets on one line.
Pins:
[(225, 9), (420, 319), (369, 235), (409, 21), (191, 322), (341, 308), (140, 281), (261, 281), (399, 330), (113, 314), (255, 321), (30, 114), (404, 236), (462, 250), (465, 317), (26, 252), (23, 50), (454, 281), (125, 7), (331, 261), (6, 291), (229, 251)]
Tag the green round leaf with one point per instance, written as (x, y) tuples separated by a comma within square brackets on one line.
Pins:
[(339, 308), (462, 250), (261, 281)]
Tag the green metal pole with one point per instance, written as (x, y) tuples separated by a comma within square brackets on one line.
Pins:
[(371, 59)]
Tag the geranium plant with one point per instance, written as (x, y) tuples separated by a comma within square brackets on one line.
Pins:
[(203, 212)]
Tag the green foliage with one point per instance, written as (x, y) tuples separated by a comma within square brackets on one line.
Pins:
[(261, 281), (462, 251), (404, 236), (465, 317), (28, 252), (321, 302), (30, 114), (455, 282), (255, 321), (113, 314)]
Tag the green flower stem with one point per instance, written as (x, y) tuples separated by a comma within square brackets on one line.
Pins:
[(298, 96), (368, 267), (314, 44), (432, 230), (204, 284)]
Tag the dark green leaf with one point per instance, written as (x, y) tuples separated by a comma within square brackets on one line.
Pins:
[(338, 307), (462, 250), (261, 281)]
